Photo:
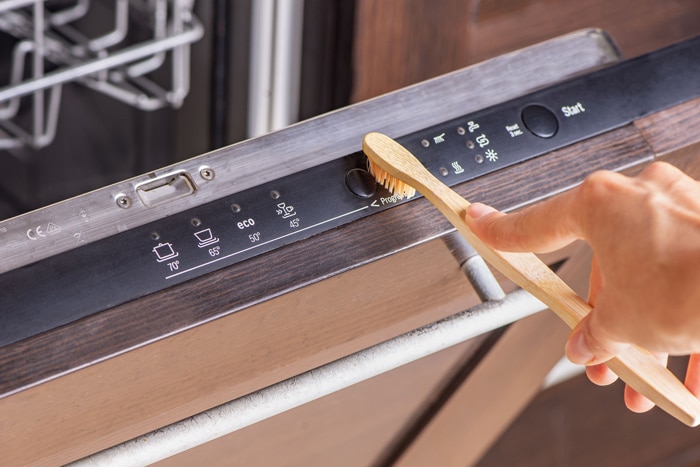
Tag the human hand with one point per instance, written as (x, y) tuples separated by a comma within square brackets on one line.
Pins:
[(645, 276)]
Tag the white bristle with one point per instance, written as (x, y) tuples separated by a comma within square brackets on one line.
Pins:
[(391, 183)]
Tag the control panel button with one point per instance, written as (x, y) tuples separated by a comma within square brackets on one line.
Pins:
[(540, 121), (361, 183)]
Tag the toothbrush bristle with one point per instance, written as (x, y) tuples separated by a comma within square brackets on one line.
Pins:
[(391, 183)]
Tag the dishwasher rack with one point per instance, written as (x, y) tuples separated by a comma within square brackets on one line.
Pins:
[(51, 49)]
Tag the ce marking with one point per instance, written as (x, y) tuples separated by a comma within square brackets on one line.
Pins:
[(38, 231)]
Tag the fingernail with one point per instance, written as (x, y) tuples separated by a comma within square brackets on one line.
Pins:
[(477, 210), (577, 351)]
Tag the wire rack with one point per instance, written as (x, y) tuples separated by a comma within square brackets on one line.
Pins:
[(51, 46)]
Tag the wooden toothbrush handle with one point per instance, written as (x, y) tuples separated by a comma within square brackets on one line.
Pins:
[(635, 366)]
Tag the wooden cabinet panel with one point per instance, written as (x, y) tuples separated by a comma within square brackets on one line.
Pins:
[(144, 389), (350, 428), (400, 42)]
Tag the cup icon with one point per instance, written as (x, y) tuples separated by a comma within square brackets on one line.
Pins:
[(205, 238), (164, 252)]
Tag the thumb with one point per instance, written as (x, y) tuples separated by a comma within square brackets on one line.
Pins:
[(590, 344)]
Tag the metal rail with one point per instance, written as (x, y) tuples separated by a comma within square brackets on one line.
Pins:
[(108, 63)]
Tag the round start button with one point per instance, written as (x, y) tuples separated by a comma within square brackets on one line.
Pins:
[(540, 121)]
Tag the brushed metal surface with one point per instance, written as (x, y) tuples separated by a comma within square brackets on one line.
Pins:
[(72, 223)]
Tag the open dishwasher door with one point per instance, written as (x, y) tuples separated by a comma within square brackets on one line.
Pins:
[(220, 278)]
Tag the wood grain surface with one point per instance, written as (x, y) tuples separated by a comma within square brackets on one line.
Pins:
[(670, 135), (425, 38), (346, 429), (578, 424)]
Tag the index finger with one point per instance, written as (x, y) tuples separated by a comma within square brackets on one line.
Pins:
[(544, 227), (553, 223)]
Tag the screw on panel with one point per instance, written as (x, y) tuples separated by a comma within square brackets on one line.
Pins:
[(123, 201), (206, 173)]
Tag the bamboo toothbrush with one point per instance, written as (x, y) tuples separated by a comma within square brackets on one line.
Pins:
[(399, 171)]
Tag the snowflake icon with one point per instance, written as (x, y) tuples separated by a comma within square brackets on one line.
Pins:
[(491, 155)]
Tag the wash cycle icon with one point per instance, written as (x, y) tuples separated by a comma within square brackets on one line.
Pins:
[(165, 251), (205, 238)]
